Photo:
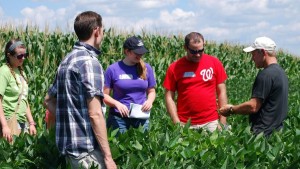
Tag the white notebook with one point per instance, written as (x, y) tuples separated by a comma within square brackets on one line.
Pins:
[(136, 112)]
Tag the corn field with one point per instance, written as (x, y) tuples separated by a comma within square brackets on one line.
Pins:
[(165, 145)]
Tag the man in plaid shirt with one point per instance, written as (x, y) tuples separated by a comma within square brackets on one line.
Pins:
[(77, 91)]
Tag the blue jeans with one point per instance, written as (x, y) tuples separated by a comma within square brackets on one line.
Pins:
[(123, 124), (23, 127)]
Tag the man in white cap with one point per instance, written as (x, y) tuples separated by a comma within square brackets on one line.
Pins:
[(268, 105)]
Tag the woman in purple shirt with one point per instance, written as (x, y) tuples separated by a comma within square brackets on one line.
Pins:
[(131, 80)]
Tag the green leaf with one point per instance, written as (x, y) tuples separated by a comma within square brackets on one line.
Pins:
[(224, 166), (137, 145)]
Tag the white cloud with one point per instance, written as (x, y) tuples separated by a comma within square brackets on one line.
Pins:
[(176, 16), (43, 16), (176, 21), (145, 23), (294, 39), (1, 12), (154, 3), (236, 8), (225, 20), (283, 1), (168, 22), (215, 32), (46, 0)]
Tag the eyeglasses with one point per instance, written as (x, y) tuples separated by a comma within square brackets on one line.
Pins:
[(23, 55), (194, 52)]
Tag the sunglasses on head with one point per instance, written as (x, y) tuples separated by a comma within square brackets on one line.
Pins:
[(194, 52), (23, 55)]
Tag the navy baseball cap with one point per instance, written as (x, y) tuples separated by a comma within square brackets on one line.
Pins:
[(136, 45)]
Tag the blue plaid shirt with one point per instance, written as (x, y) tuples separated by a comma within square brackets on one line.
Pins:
[(78, 78)]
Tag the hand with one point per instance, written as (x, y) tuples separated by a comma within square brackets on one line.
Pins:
[(146, 106), (225, 110), (122, 109), (219, 127), (7, 134), (109, 163), (32, 130)]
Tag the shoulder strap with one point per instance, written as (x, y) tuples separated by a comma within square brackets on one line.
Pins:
[(19, 99)]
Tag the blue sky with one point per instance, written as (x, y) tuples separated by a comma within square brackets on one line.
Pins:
[(233, 21)]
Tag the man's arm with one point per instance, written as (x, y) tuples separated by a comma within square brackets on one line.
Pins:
[(222, 99), (249, 107), (99, 128), (171, 106)]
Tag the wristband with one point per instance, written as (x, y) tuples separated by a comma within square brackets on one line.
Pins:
[(227, 127), (231, 110), (32, 123)]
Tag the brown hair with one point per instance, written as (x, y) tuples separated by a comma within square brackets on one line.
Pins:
[(141, 67), (85, 23), (195, 36), (142, 70), (13, 52)]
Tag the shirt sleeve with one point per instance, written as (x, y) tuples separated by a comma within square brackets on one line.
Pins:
[(150, 77), (4, 81), (221, 73), (108, 78), (170, 81), (53, 89), (92, 78), (261, 87)]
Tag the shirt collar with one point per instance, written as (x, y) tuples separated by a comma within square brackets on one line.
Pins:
[(88, 47)]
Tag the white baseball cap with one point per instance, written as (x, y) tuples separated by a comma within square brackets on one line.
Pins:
[(261, 43)]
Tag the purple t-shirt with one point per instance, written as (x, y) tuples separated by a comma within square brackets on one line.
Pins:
[(126, 85)]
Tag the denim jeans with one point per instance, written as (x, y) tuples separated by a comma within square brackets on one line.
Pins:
[(123, 124), (23, 127)]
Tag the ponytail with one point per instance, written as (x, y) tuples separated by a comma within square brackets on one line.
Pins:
[(142, 70)]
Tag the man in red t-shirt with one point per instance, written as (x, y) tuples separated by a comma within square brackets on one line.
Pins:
[(197, 78)]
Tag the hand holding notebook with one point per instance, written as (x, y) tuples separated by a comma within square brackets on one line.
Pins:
[(136, 112)]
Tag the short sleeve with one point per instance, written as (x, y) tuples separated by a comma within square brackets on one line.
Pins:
[(108, 78), (150, 77), (261, 87), (170, 81), (221, 73), (53, 89), (92, 78), (4, 81)]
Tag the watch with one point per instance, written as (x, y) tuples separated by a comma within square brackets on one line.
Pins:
[(231, 110), (32, 123)]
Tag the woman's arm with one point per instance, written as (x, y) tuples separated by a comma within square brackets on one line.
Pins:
[(111, 102), (5, 129), (32, 129), (150, 99)]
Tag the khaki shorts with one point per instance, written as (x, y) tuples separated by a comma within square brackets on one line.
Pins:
[(210, 126), (87, 160)]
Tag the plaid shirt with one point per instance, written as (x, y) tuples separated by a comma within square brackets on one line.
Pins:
[(78, 78)]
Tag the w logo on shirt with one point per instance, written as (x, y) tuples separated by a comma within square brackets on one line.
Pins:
[(207, 74)]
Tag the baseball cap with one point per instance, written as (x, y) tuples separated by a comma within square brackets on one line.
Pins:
[(135, 44), (261, 43)]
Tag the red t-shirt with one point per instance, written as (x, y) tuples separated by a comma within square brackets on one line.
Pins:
[(196, 85)]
